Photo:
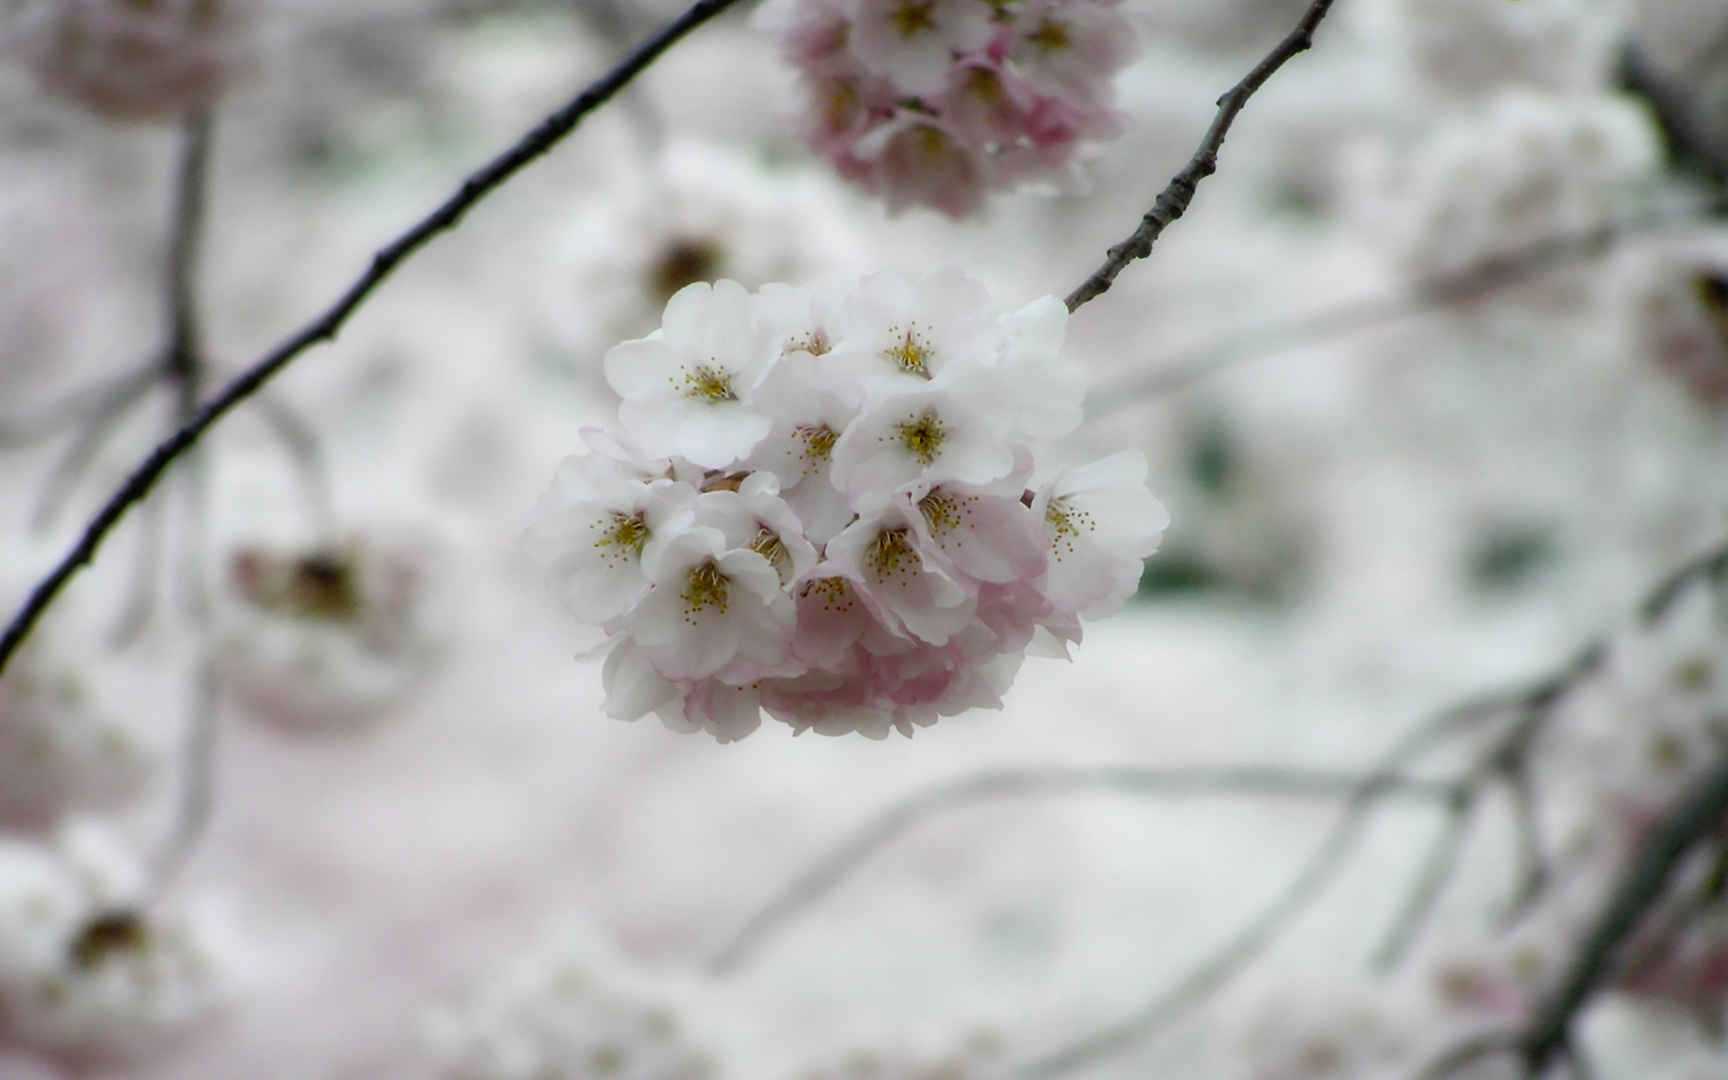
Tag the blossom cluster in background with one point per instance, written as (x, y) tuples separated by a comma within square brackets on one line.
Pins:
[(940, 102), (838, 504), (127, 59)]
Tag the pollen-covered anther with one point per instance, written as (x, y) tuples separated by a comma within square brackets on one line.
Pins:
[(945, 512), (622, 537), (818, 440), (706, 587), (891, 554), (1065, 525), (909, 353), (912, 17), (709, 382), (922, 436), (1050, 36), (835, 592), (769, 545)]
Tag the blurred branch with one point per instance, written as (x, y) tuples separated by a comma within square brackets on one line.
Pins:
[(1479, 279), (1222, 966), (1528, 708), (828, 872), (1696, 816), (1173, 201), (325, 327)]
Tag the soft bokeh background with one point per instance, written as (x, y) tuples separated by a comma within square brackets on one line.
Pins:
[(1369, 522)]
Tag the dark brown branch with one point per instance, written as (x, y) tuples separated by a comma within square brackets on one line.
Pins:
[(1698, 815), (1173, 201), (828, 872), (325, 327)]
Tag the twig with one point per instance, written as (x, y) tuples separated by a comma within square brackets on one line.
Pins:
[(1173, 201), (325, 327), (1184, 369), (830, 870), (1698, 814), (1435, 874), (1223, 964), (197, 785)]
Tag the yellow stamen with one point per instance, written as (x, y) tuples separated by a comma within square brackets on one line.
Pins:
[(909, 353), (709, 382), (913, 16), (1050, 36), (706, 587), (890, 554), (768, 545), (623, 538), (1065, 524), (923, 436)]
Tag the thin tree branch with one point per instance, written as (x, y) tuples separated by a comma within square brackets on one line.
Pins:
[(1435, 874), (325, 327), (303, 453), (1695, 817), (1226, 962), (197, 785), (1182, 370), (81, 404), (1173, 201), (827, 873)]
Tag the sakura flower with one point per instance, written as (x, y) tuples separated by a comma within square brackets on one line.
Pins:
[(899, 334), (86, 979), (131, 59), (1068, 50), (933, 436), (330, 638), (600, 515), (567, 1010), (1101, 523), (686, 387), (912, 42), (941, 102), (878, 558), (712, 610), (60, 747), (980, 532)]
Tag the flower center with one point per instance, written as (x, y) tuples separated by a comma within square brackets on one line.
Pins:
[(814, 342), (836, 594), (889, 554), (709, 382), (1050, 36), (1065, 524), (912, 17), (909, 353), (923, 436), (768, 545), (945, 512), (706, 587), (622, 540), (818, 442)]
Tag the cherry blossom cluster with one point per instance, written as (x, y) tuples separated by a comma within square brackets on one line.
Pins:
[(330, 638), (566, 1011), (837, 504), (61, 749), (127, 59), (1501, 177), (1468, 49), (939, 102), (87, 980)]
